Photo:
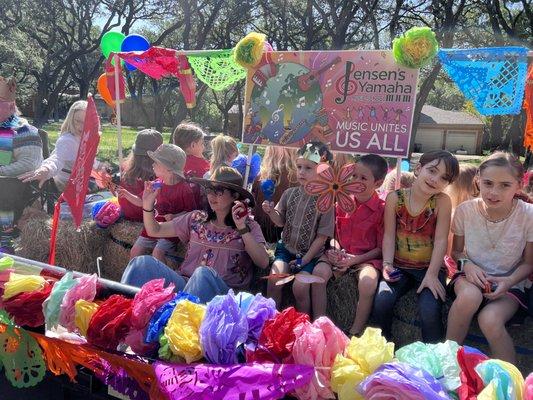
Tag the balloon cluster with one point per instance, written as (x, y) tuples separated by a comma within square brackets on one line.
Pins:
[(116, 42)]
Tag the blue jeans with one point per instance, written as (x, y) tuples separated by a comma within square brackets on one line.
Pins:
[(204, 282), (429, 308)]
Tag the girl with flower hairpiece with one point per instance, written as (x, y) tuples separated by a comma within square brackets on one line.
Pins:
[(304, 235)]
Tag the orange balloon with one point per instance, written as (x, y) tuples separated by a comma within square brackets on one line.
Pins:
[(103, 90)]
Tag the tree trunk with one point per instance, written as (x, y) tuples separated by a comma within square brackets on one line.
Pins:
[(496, 133)]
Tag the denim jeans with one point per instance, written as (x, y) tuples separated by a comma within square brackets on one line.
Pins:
[(204, 282), (429, 308)]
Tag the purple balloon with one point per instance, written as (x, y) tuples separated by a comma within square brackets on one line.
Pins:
[(134, 42)]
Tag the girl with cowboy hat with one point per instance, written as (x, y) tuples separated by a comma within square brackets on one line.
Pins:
[(222, 243)]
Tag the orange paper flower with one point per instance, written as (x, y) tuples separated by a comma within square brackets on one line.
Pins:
[(334, 186)]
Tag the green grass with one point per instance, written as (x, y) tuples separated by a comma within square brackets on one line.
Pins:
[(108, 149)]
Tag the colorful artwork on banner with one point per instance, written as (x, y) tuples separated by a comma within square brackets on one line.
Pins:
[(358, 101)]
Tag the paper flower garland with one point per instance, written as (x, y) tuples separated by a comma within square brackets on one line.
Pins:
[(334, 186), (415, 48)]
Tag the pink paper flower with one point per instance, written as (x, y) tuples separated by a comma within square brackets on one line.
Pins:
[(334, 187)]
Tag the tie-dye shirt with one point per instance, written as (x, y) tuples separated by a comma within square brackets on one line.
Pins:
[(415, 234)]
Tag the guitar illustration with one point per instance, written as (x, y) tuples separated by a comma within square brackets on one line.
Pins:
[(305, 81)]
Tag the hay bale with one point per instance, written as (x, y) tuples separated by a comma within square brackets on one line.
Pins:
[(342, 300), (116, 254), (406, 329), (76, 249)]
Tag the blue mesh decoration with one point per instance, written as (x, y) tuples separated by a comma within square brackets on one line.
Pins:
[(492, 78)]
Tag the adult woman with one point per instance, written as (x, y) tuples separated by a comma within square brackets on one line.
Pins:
[(59, 164), (21, 150), (222, 243)]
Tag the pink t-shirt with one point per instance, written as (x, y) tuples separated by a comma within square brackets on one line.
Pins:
[(221, 249)]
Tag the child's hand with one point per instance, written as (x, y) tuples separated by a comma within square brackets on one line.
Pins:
[(268, 206), (149, 195), (387, 272), (432, 282), (121, 192), (475, 274), (503, 287), (168, 217)]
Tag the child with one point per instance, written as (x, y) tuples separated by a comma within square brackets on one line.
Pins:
[(190, 137), (464, 187), (138, 169), (224, 151), (279, 165), (416, 225), (60, 163), (175, 196), (493, 246), (360, 235), (389, 183), (305, 232)]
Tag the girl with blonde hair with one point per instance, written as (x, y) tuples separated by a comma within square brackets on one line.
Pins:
[(60, 163), (464, 187), (279, 165), (224, 151)]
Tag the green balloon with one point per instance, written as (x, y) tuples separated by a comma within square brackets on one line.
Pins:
[(111, 42)]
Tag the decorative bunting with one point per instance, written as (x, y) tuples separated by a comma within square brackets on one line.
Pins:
[(492, 78)]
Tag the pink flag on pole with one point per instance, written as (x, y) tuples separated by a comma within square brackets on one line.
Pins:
[(231, 382), (76, 189)]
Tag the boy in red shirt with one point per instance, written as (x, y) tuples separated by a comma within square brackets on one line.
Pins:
[(176, 196), (360, 235), (190, 137)]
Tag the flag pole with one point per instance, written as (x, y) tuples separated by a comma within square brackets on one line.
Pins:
[(117, 109)]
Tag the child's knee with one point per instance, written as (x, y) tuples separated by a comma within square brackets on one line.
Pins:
[(490, 323), (367, 285), (279, 267), (323, 270), (469, 297)]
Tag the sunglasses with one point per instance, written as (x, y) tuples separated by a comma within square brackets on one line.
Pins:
[(216, 190)]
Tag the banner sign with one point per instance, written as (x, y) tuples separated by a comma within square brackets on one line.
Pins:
[(357, 101)]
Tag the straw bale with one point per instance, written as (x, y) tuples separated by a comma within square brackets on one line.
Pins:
[(76, 249), (122, 236)]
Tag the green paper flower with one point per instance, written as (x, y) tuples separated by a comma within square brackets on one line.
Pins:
[(416, 48)]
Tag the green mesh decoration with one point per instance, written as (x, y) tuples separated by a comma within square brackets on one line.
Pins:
[(217, 69), (20, 355)]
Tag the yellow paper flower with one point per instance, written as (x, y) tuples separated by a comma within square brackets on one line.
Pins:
[(249, 50), (84, 311), (183, 329), (22, 283), (361, 358)]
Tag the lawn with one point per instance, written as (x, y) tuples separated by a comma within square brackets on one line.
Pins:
[(107, 151)]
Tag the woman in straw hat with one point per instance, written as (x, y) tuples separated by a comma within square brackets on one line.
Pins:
[(223, 243)]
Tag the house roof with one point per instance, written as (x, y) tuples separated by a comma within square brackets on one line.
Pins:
[(436, 116)]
